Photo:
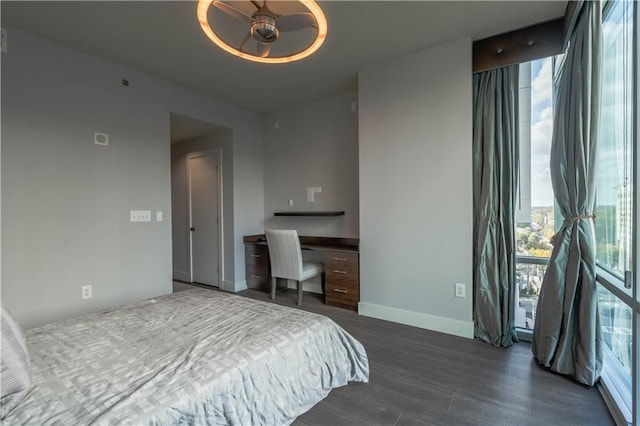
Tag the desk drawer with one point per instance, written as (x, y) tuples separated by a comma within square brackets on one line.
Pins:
[(257, 277), (341, 270), (334, 260), (342, 279), (256, 254), (345, 300)]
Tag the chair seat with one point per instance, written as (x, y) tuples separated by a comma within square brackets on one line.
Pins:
[(311, 269)]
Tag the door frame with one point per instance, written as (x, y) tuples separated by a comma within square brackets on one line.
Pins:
[(217, 152)]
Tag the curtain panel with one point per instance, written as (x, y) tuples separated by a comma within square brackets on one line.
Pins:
[(566, 335), (495, 171)]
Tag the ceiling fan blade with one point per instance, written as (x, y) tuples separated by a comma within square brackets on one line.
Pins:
[(255, 3), (244, 42), (232, 11), (295, 22), (263, 49)]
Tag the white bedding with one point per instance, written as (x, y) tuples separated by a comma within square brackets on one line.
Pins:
[(193, 357)]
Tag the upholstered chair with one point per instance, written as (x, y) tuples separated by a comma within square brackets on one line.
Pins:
[(286, 260)]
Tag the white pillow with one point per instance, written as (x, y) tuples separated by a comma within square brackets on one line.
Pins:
[(14, 359)]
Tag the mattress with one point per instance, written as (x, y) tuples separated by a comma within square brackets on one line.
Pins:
[(192, 357)]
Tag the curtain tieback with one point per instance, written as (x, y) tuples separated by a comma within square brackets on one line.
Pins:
[(577, 218), (568, 221)]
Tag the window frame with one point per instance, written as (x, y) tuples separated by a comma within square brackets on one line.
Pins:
[(629, 295)]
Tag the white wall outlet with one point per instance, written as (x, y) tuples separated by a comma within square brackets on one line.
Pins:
[(3, 42), (290, 202), (100, 139), (140, 216), (460, 290), (310, 194), (317, 189), (159, 216), (87, 292)]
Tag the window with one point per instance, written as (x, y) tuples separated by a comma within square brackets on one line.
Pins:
[(613, 226), (617, 331), (535, 214), (614, 223)]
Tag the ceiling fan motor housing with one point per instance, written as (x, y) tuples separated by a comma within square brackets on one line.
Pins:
[(264, 28)]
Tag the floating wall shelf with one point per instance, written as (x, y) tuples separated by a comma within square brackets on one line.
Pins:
[(327, 213)]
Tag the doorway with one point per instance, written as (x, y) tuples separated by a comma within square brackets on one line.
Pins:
[(198, 152), (203, 176)]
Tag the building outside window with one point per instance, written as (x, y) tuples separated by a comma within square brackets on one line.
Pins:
[(535, 214)]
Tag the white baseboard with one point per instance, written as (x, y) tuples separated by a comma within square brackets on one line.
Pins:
[(417, 319), (306, 286), (233, 286), (181, 276)]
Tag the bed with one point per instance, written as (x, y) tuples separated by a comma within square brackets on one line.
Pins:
[(192, 357)]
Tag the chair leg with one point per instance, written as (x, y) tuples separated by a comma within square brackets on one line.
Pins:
[(299, 293), (324, 291), (273, 287)]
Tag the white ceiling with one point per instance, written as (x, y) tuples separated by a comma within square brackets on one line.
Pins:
[(164, 39)]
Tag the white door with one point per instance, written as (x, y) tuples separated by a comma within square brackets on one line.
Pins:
[(204, 206)]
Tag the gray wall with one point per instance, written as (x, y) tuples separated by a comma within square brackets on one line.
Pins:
[(66, 202), (315, 145), (416, 188), (180, 201)]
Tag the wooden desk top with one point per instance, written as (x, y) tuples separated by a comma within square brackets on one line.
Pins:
[(315, 243)]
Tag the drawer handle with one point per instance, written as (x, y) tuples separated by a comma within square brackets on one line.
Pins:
[(337, 271), (344, 259), (339, 290), (256, 276), (256, 255)]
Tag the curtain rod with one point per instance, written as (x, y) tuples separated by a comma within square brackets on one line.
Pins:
[(523, 45)]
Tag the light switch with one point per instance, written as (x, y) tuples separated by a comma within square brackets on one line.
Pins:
[(310, 194), (317, 189), (159, 216), (140, 215)]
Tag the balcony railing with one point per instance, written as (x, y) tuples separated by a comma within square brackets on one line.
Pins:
[(529, 274)]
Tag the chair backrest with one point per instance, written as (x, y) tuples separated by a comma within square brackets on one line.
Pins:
[(285, 253)]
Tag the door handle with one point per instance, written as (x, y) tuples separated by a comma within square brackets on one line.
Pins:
[(192, 229)]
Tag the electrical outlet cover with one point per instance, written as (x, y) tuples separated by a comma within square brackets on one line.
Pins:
[(87, 292)]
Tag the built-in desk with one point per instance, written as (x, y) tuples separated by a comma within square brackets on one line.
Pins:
[(341, 265)]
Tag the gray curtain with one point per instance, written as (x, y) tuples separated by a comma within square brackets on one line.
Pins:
[(566, 336), (495, 171)]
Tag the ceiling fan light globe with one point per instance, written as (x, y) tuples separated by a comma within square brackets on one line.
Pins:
[(264, 32)]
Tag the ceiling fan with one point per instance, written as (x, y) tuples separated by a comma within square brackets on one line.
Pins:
[(265, 27)]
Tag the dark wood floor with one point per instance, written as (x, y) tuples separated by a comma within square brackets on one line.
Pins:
[(420, 377)]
